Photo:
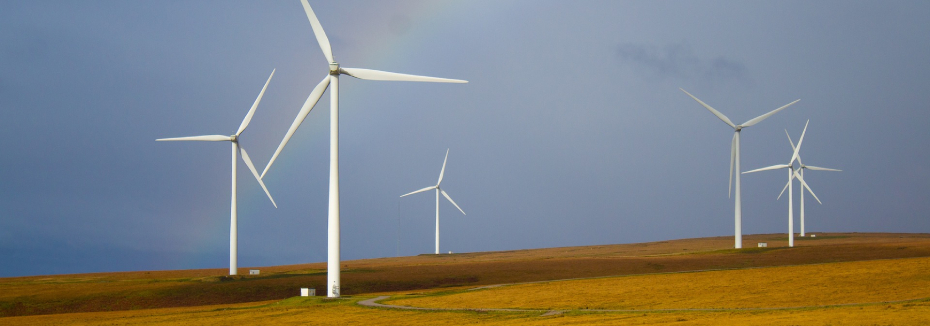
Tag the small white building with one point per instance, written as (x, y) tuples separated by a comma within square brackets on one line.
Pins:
[(307, 292), (763, 244), (254, 272)]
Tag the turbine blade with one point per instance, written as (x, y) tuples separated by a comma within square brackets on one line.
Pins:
[(370, 74), (773, 167), (783, 190), (732, 157), (792, 146), (764, 116), (804, 184), (198, 138), (715, 112), (318, 31), (798, 148), (421, 190), (819, 168), (444, 194), (304, 111), (248, 117), (248, 162), (441, 172)]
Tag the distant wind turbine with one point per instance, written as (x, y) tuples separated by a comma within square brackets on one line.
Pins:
[(792, 174), (801, 173), (236, 148), (734, 157), (444, 194), (332, 79)]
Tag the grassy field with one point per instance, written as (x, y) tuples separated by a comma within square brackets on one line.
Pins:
[(771, 287), (207, 296), (317, 311)]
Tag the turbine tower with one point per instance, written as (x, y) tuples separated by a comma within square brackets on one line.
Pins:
[(332, 80), (236, 148), (444, 194), (734, 157), (801, 173), (792, 174)]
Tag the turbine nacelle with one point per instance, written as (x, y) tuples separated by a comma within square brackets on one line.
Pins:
[(334, 69), (234, 138)]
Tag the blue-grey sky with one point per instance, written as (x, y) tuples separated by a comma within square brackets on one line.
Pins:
[(571, 131)]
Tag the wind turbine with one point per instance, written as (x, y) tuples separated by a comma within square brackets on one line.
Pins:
[(801, 173), (233, 231), (792, 174), (332, 80), (734, 157), (444, 194)]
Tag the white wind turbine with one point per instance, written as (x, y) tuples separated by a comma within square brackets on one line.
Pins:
[(734, 157), (801, 173), (233, 231), (444, 194), (792, 174), (332, 80)]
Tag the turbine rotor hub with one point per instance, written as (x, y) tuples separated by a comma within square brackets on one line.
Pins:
[(739, 128), (333, 68), (234, 138)]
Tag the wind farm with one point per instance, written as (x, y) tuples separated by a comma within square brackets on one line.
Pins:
[(593, 187)]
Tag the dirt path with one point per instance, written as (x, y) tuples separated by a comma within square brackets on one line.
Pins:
[(374, 303)]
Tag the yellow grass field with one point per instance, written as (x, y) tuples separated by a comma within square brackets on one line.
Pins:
[(831, 280), (772, 287), (97, 292), (317, 311)]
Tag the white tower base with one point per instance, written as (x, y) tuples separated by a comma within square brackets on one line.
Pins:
[(802, 203), (738, 223), (332, 266), (790, 209), (233, 229)]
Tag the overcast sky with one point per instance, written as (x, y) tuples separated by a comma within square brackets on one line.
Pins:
[(571, 130)]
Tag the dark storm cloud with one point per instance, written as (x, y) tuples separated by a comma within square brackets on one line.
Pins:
[(679, 61)]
